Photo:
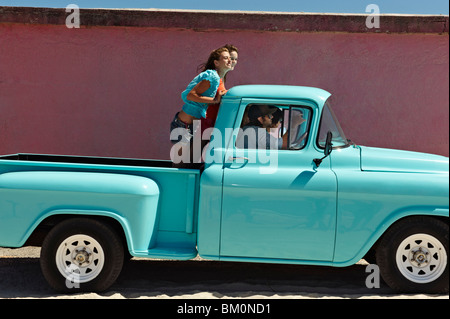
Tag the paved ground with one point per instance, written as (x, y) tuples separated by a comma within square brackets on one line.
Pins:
[(20, 277)]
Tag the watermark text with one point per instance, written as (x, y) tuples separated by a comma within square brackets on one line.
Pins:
[(73, 19), (373, 19)]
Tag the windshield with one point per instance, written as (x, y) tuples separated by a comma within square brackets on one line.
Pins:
[(329, 122)]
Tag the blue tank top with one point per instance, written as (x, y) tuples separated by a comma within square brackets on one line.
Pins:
[(195, 109)]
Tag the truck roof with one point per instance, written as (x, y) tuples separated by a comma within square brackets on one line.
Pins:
[(279, 92)]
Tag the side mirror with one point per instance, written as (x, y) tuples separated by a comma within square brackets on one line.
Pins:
[(328, 144), (327, 151)]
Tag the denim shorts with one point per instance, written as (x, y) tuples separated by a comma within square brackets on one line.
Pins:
[(180, 131)]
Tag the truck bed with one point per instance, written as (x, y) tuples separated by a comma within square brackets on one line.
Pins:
[(175, 231)]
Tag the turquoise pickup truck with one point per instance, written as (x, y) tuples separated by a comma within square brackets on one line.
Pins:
[(320, 200)]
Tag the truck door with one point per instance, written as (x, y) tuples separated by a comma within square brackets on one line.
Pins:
[(276, 203)]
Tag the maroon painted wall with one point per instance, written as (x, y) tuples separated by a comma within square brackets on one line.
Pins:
[(111, 87)]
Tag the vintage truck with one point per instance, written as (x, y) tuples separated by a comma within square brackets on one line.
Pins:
[(321, 201)]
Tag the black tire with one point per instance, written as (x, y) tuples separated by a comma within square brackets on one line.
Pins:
[(91, 251), (413, 256)]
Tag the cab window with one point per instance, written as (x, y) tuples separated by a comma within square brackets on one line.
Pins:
[(274, 127)]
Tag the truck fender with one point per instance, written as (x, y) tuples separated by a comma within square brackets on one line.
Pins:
[(390, 220), (31, 197)]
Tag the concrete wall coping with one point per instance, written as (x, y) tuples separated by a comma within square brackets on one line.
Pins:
[(229, 20)]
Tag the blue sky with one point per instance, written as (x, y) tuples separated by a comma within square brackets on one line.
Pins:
[(333, 6)]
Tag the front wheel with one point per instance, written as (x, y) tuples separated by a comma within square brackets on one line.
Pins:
[(81, 254), (413, 256)]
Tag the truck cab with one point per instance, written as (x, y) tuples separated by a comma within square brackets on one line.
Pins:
[(276, 204)]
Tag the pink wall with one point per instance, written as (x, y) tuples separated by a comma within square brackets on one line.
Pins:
[(112, 90)]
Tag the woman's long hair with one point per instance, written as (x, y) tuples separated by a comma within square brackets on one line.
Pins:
[(213, 56)]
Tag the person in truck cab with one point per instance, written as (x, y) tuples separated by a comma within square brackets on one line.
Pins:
[(254, 134), (275, 128)]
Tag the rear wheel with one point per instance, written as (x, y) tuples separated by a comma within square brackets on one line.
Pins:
[(81, 254), (413, 256)]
